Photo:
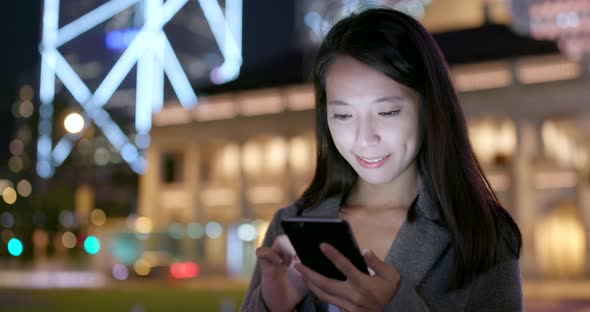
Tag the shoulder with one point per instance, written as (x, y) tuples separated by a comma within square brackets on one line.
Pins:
[(289, 210), (510, 240), (275, 228)]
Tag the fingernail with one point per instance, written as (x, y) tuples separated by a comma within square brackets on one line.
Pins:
[(366, 251)]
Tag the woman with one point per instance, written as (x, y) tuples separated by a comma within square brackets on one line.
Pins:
[(394, 160)]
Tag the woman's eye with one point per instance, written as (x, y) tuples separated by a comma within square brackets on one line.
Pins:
[(390, 113), (342, 116)]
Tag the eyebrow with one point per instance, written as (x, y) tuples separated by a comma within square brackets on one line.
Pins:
[(383, 99)]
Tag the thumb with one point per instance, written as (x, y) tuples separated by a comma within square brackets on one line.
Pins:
[(380, 268)]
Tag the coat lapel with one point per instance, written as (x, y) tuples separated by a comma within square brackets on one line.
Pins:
[(418, 244)]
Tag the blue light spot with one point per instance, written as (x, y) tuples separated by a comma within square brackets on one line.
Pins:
[(91, 245), (120, 39), (44, 169), (15, 247)]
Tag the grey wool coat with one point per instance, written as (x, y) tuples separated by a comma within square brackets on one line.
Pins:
[(422, 253)]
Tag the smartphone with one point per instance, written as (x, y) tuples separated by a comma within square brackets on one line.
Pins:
[(307, 233)]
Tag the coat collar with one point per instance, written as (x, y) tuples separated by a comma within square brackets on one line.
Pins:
[(418, 244)]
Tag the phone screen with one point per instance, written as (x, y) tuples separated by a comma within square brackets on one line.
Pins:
[(306, 234)]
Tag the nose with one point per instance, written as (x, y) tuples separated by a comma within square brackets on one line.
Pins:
[(366, 134)]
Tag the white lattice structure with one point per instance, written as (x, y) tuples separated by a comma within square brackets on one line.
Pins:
[(154, 56)]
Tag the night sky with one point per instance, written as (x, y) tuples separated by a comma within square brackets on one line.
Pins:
[(20, 28)]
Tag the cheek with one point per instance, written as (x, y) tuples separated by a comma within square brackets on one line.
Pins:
[(341, 135), (401, 135)]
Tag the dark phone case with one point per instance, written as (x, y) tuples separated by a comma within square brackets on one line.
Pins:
[(306, 234)]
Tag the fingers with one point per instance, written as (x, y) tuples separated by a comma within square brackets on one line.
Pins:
[(266, 254), (283, 246), (380, 268), (342, 263), (325, 296), (330, 285)]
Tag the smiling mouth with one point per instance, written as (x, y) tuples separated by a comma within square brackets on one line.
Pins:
[(372, 162)]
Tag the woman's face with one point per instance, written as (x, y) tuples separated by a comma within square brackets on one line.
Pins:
[(373, 120)]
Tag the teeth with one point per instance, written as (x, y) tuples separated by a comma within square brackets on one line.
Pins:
[(372, 160)]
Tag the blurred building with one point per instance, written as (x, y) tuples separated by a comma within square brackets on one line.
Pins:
[(241, 155), (218, 171)]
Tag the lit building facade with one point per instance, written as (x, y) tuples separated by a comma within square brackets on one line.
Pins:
[(238, 157)]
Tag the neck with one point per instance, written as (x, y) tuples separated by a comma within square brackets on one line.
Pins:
[(396, 194)]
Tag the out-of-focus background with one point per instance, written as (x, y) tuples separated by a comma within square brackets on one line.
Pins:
[(145, 144)]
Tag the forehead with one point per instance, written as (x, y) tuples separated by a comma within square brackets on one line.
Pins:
[(348, 78)]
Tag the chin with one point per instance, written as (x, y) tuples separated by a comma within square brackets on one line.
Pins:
[(376, 178)]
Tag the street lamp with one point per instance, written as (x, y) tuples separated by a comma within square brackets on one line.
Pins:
[(74, 123)]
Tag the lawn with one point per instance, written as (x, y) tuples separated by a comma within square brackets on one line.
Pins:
[(129, 299)]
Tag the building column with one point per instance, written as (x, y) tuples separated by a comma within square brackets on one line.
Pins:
[(523, 191), (584, 206), (190, 174), (149, 183)]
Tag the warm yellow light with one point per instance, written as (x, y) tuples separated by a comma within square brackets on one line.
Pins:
[(560, 243), (276, 155), (252, 158), (98, 217), (229, 163), (68, 239), (142, 267), (298, 154), (26, 93), (143, 225), (9, 195), (74, 123), (15, 164), (24, 188)]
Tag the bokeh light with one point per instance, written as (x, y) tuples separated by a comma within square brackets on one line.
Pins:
[(120, 272), (68, 239), (16, 147), (74, 123), (184, 270), (15, 164), (7, 219), (176, 231), (25, 109), (125, 248), (15, 247), (247, 232), (40, 238), (66, 218), (213, 229), (9, 195), (24, 188), (91, 245), (143, 225), (26, 93), (98, 217), (194, 230), (142, 267)]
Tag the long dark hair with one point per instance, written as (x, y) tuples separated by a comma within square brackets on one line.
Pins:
[(403, 50)]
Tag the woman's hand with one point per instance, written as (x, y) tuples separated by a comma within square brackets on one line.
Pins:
[(282, 286), (360, 292)]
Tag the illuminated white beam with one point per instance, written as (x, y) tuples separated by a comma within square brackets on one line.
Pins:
[(92, 19), (177, 77), (120, 70), (62, 150), (100, 117), (169, 9), (154, 56), (47, 87), (221, 29)]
